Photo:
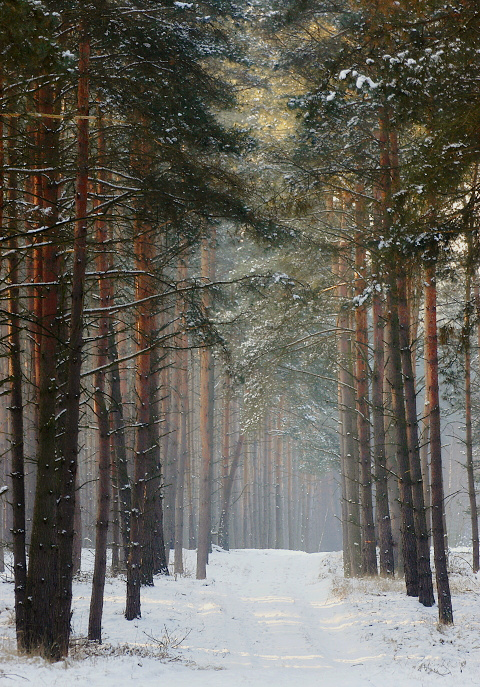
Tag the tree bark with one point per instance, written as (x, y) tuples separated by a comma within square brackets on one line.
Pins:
[(348, 423), (16, 405), (206, 423), (409, 545), (369, 549), (120, 449), (66, 506), (144, 252), (42, 565), (468, 420), (425, 583), (223, 539), (182, 390), (279, 534), (103, 263), (445, 612), (385, 539)]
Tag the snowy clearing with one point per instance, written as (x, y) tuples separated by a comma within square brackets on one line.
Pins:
[(266, 618)]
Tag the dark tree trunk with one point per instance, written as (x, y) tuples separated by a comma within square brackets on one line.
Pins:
[(468, 421), (68, 468), (445, 612), (143, 246), (103, 263), (16, 405), (425, 583), (348, 423), (409, 544), (223, 528), (385, 538), (120, 449), (42, 570), (369, 549), (154, 496), (154, 559)]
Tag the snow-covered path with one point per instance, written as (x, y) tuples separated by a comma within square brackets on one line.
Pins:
[(263, 618), (281, 618)]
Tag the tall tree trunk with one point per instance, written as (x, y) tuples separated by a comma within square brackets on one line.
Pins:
[(206, 422), (369, 549), (66, 506), (425, 583), (154, 560), (348, 423), (468, 417), (227, 493), (118, 433), (279, 535), (182, 390), (42, 570), (409, 544), (103, 263), (223, 525), (16, 405), (445, 612), (143, 247), (385, 538)]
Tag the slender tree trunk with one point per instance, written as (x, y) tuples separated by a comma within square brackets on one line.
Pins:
[(42, 565), (409, 545), (290, 494), (206, 424), (66, 506), (118, 434), (425, 583), (348, 423), (385, 538), (369, 550), (143, 246), (223, 525), (192, 539), (445, 612), (225, 511), (279, 535), (182, 390), (468, 419), (16, 405), (102, 263), (425, 440), (155, 555)]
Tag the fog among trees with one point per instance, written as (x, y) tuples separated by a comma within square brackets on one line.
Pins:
[(239, 293)]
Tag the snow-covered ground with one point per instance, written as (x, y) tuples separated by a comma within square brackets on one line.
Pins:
[(263, 618)]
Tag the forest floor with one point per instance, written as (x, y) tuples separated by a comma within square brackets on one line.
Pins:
[(263, 618)]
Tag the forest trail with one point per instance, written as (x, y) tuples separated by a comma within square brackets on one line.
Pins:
[(281, 617), (263, 618)]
